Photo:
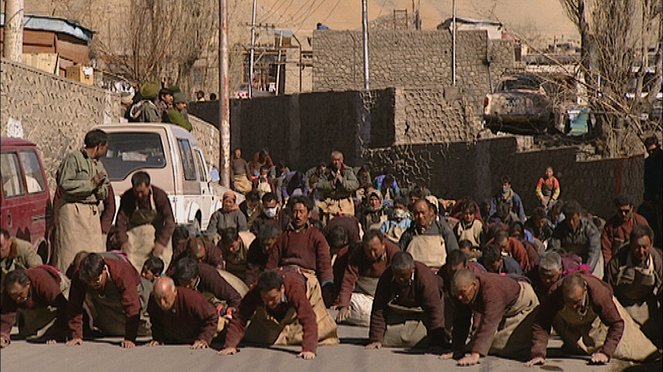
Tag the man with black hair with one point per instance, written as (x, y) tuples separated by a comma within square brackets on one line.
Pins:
[(271, 213), (82, 182), (408, 309), (285, 308), (577, 234), (364, 268), (251, 207), (618, 228), (508, 199), (539, 225), (303, 245), (113, 288), (234, 248), (145, 221), (152, 269), (39, 295), (208, 281), (258, 255), (495, 262), (16, 253)]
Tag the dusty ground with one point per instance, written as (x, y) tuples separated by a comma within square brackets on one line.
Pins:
[(105, 355)]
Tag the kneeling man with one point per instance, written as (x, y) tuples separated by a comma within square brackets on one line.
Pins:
[(285, 308)]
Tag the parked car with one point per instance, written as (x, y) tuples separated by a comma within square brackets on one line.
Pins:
[(25, 202), (174, 161), (521, 105)]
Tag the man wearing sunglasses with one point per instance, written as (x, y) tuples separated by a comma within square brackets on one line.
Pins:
[(618, 228)]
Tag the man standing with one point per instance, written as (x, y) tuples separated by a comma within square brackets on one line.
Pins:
[(653, 182), (407, 308), (39, 294), (240, 172), (82, 182), (336, 187), (285, 308), (618, 228), (428, 240), (304, 246), (181, 315), (577, 234), (145, 222), (362, 273), (587, 317), (111, 285), (175, 114), (507, 199), (506, 307), (635, 274), (16, 254)]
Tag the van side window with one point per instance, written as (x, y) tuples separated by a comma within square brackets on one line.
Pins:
[(201, 166), (188, 164), (12, 181), (33, 175)]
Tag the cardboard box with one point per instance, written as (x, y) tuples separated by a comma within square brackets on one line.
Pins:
[(49, 62), (81, 74)]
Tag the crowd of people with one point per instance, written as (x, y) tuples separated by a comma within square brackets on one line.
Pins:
[(467, 277), (155, 104)]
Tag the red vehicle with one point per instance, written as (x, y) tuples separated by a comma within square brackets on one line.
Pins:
[(25, 202)]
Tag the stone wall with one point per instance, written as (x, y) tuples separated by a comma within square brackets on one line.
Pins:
[(410, 59), (456, 170), (50, 111)]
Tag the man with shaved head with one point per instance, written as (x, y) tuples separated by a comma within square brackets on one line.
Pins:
[(429, 239), (181, 315), (589, 319), (506, 306)]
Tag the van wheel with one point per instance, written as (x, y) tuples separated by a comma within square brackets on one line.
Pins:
[(44, 251)]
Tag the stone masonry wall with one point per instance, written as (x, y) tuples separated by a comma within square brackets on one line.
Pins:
[(410, 59), (456, 170), (50, 111)]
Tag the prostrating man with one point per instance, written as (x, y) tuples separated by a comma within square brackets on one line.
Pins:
[(112, 287), (407, 309), (181, 315), (428, 240), (618, 228), (201, 250), (507, 199), (495, 262), (635, 275), (590, 320), (208, 281), (304, 246), (577, 234), (362, 273), (551, 269), (506, 307), (514, 248), (285, 308), (258, 255), (145, 221), (82, 183), (336, 188), (16, 254), (39, 295), (234, 248)]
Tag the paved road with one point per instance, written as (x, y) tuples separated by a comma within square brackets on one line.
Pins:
[(105, 355)]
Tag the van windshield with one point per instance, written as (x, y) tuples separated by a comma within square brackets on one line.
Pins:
[(128, 152)]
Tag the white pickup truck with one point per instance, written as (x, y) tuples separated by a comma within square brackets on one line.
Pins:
[(174, 161)]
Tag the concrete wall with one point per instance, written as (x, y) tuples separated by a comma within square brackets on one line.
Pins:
[(456, 170), (410, 59), (50, 111)]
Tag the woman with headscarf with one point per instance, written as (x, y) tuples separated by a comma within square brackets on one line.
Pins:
[(228, 216)]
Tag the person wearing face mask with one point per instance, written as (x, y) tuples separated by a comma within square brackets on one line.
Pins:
[(271, 214), (399, 221), (362, 273), (39, 295), (589, 319), (506, 307), (407, 309)]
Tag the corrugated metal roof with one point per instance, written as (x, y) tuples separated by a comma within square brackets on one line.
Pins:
[(53, 24)]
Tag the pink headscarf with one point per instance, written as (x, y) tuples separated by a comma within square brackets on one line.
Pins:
[(230, 195)]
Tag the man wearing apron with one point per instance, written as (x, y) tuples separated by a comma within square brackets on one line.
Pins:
[(634, 274), (181, 315), (407, 309), (590, 320), (111, 288), (428, 240), (336, 186), (285, 308), (145, 222), (506, 307), (39, 296), (360, 280), (577, 234)]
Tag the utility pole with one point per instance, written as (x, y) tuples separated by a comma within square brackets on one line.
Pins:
[(13, 31), (253, 46), (278, 66), (224, 96), (364, 28), (453, 44)]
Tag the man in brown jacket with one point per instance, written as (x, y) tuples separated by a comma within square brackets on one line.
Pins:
[(16, 254), (618, 228)]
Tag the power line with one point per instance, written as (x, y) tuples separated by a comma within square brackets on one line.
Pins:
[(331, 11)]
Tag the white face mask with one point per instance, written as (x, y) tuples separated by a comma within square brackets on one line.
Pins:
[(271, 212)]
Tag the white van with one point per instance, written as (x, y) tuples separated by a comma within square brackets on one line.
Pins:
[(174, 161)]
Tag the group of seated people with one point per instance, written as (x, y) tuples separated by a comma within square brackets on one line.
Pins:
[(418, 271)]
